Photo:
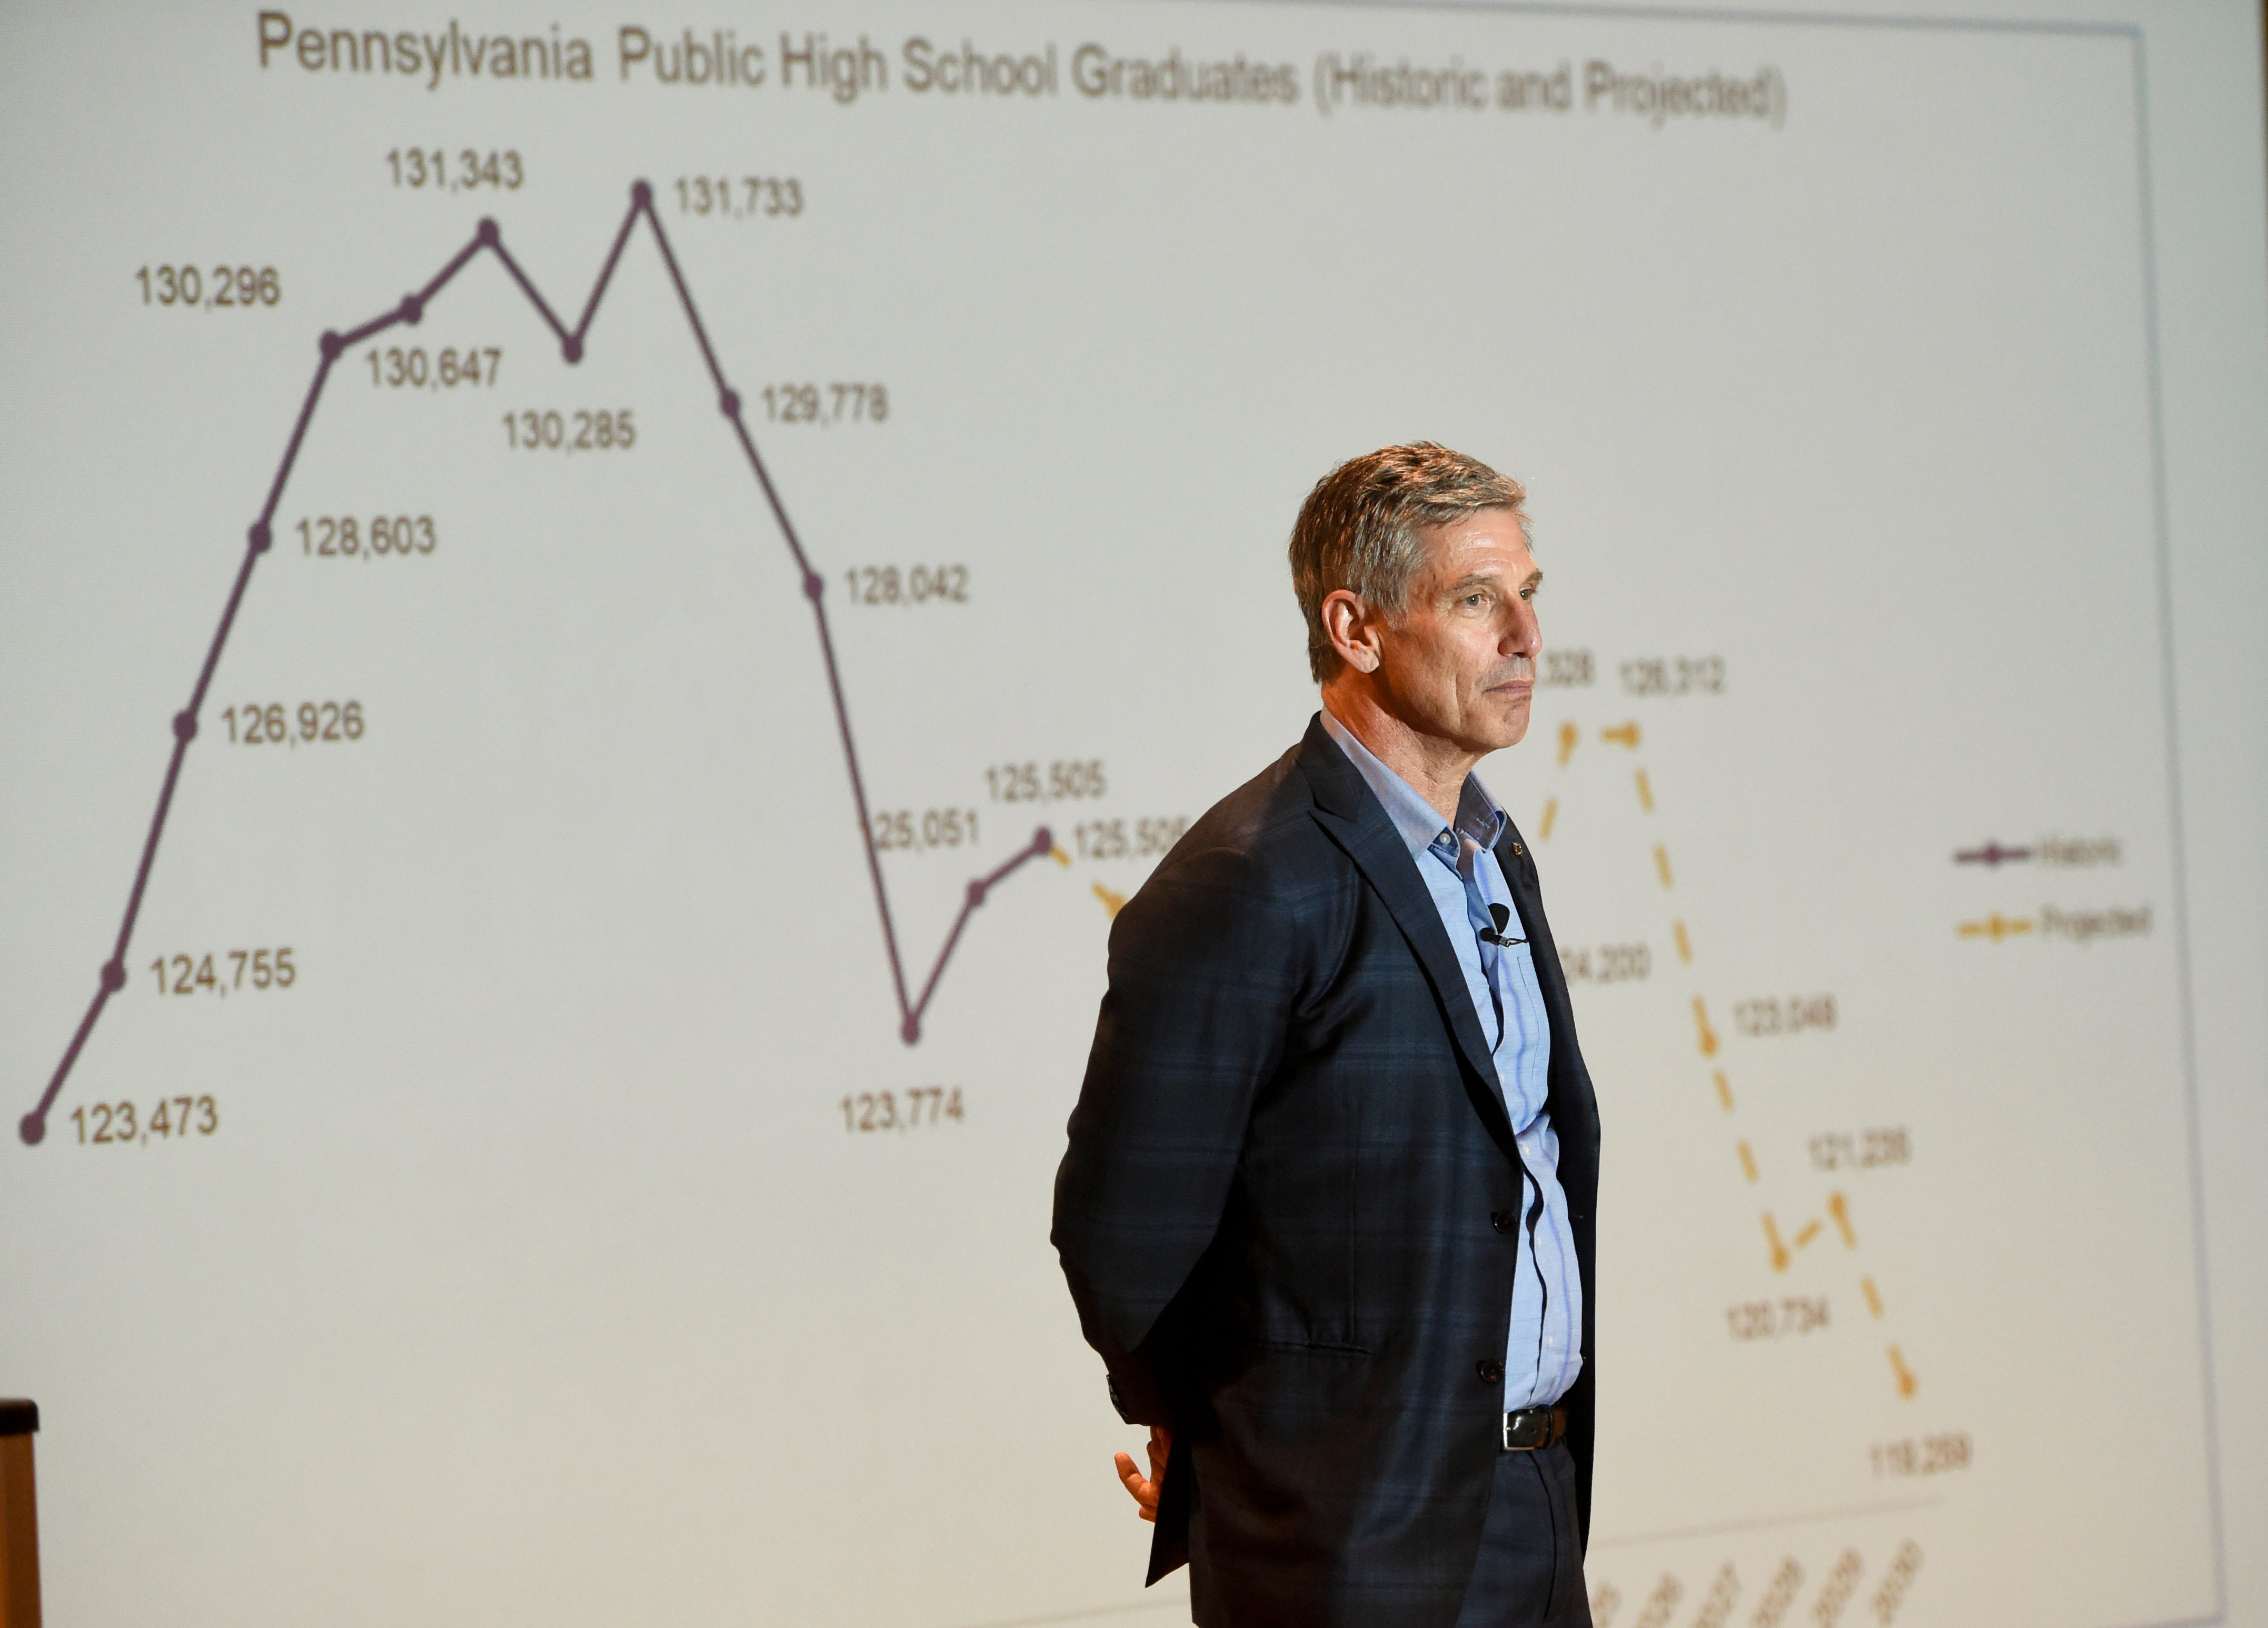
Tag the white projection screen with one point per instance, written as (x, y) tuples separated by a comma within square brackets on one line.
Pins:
[(597, 611)]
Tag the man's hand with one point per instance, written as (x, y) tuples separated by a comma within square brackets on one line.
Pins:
[(1145, 1492)]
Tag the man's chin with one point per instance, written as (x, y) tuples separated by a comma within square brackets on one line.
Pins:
[(1510, 725)]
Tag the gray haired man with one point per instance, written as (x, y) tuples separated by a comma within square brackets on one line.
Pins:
[(1328, 1210)]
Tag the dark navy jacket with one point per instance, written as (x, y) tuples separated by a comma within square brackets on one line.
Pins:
[(1276, 1211)]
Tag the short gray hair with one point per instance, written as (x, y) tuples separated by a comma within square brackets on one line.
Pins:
[(1358, 529)]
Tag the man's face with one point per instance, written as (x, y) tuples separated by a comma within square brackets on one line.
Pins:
[(1461, 663)]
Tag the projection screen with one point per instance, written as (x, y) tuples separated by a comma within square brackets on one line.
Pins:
[(601, 611)]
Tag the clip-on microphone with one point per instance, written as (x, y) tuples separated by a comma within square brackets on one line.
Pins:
[(1502, 915)]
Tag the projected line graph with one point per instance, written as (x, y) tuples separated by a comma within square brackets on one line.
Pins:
[(1782, 1250), (411, 310)]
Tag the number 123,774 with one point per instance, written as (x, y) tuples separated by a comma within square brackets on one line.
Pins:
[(900, 1110)]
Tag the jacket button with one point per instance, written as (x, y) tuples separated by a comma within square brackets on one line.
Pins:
[(1501, 1219), (1490, 1370)]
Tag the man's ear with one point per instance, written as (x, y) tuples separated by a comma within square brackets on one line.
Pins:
[(1353, 628)]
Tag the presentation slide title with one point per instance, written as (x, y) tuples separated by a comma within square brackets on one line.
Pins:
[(813, 61)]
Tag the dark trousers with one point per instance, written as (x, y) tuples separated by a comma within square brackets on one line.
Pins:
[(1530, 1570)]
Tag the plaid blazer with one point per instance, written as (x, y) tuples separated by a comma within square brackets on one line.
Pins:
[(1275, 1212)]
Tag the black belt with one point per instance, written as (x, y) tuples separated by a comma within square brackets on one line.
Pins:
[(1533, 1429)]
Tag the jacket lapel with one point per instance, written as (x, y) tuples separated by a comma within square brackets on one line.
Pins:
[(1346, 810)]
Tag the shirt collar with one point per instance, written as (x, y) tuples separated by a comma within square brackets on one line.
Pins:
[(1418, 820)]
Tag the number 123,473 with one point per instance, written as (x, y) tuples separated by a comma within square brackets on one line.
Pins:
[(117, 1124)]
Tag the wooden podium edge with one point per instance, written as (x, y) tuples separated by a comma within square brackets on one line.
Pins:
[(19, 1517)]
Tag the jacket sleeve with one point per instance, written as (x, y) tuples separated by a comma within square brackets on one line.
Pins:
[(1206, 968)]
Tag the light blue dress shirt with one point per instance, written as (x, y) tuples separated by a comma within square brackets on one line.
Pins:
[(1544, 1355)]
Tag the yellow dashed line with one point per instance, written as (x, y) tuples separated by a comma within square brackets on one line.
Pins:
[(1839, 1207), (1906, 1382), (1780, 1256), (1994, 927)]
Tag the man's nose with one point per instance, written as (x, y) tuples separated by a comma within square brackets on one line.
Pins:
[(1523, 633)]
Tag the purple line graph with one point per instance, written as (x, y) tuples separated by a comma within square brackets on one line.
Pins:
[(33, 1127)]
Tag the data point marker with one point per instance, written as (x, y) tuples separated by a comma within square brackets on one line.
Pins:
[(33, 1128), (730, 402), (1043, 840), (908, 1031), (113, 976), (260, 536), (976, 893), (572, 349), (185, 727), (332, 344), (641, 194), (487, 236), (814, 585), (413, 309)]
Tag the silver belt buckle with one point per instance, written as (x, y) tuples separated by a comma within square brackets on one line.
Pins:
[(1526, 1429)]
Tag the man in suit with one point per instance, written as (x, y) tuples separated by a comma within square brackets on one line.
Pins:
[(1327, 1208)]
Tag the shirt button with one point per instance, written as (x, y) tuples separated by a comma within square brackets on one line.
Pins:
[(1501, 1219), (1490, 1370)]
